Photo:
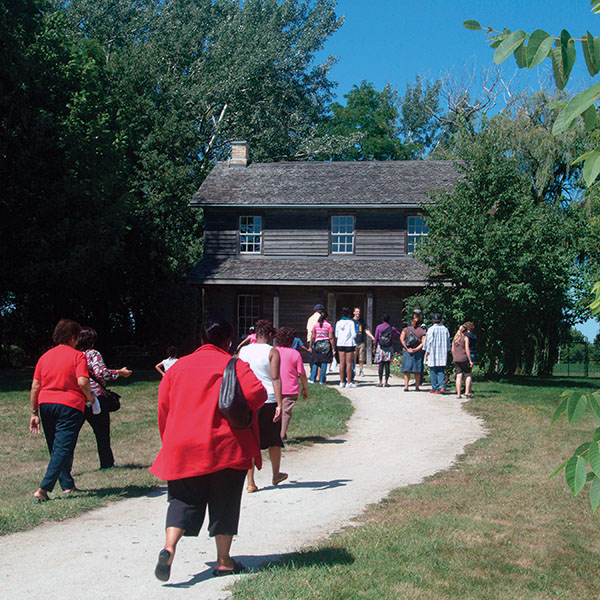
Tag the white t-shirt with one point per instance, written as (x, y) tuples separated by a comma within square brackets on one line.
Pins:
[(345, 333), (167, 363), (257, 356)]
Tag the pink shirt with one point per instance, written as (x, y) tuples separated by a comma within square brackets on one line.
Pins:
[(322, 331), (290, 367)]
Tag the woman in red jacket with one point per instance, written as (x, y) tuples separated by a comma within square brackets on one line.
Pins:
[(203, 459)]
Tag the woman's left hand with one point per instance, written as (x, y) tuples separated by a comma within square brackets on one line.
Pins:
[(277, 414), (34, 424)]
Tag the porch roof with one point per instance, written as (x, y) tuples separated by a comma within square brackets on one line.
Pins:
[(329, 271)]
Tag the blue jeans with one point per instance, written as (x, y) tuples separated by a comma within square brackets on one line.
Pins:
[(313, 372), (61, 428), (438, 378)]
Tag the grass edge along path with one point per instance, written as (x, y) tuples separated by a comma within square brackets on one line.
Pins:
[(135, 443), (493, 526)]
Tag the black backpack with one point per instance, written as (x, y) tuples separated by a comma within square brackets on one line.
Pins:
[(385, 339)]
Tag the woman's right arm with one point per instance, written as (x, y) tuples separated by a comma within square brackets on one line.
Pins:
[(331, 339), (34, 419)]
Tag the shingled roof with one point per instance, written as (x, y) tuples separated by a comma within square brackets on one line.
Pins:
[(368, 183), (330, 271)]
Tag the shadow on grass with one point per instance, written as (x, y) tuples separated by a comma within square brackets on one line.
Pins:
[(559, 382), (315, 439), (317, 485), (329, 556), (127, 491)]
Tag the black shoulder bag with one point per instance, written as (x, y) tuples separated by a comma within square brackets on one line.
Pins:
[(109, 401), (232, 404)]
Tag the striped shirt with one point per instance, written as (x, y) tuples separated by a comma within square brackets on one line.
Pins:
[(437, 345)]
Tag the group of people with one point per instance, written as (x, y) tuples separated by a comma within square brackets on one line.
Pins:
[(346, 342), (69, 388)]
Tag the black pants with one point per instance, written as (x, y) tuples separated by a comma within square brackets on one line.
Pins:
[(101, 427), (221, 491), (384, 365), (61, 427)]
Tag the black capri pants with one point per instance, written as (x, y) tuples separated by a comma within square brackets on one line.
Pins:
[(220, 491)]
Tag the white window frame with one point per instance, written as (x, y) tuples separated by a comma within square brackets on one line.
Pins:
[(248, 312), (342, 231), (416, 230), (250, 236)]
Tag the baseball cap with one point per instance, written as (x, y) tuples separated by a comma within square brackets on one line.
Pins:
[(319, 307)]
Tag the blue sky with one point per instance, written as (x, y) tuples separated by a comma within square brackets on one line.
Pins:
[(393, 41)]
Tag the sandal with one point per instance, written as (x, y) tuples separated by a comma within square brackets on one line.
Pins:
[(251, 489), (281, 477), (40, 499), (237, 568), (163, 568), (379, 384)]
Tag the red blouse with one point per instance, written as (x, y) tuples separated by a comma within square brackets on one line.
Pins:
[(196, 439)]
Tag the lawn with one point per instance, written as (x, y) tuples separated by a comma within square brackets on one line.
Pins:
[(494, 526), (135, 442)]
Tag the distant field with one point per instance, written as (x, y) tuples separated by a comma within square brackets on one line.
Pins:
[(576, 370)]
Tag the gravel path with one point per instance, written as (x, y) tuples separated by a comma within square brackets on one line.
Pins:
[(395, 438)]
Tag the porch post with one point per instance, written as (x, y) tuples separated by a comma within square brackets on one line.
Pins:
[(369, 320), (276, 308), (331, 308)]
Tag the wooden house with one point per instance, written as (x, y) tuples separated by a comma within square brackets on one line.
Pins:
[(282, 237)]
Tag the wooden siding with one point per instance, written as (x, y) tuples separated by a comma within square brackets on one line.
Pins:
[(295, 232)]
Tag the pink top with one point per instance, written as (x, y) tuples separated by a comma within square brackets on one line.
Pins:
[(290, 367), (322, 331)]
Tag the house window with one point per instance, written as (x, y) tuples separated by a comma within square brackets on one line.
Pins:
[(250, 235), (342, 234), (248, 313), (417, 230)]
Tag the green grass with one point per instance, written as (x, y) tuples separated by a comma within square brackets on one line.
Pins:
[(493, 527), (135, 443)]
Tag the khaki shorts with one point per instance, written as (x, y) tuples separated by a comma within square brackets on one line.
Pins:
[(360, 352)]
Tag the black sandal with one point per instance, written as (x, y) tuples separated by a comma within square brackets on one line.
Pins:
[(237, 568), (163, 568)]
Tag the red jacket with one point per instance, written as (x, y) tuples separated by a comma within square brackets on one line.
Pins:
[(196, 439)]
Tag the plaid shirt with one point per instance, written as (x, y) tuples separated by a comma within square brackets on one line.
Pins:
[(437, 345)]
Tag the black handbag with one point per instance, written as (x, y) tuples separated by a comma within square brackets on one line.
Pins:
[(411, 340), (232, 404), (109, 401)]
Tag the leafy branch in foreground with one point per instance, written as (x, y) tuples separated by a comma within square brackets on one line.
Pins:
[(529, 51)]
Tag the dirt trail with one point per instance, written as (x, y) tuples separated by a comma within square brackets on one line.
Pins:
[(395, 438)]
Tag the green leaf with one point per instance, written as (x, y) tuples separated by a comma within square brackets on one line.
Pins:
[(560, 409), (575, 474), (520, 56), (509, 45), (596, 408), (590, 476), (591, 53), (576, 107), (594, 457), (540, 44), (595, 6), (589, 118), (472, 24), (595, 494), (563, 59), (557, 471), (591, 168), (575, 408), (597, 434), (583, 449), (556, 104)]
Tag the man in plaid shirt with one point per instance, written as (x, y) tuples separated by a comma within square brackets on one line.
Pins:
[(437, 346)]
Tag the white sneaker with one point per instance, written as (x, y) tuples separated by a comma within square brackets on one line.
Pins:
[(342, 385), (351, 384)]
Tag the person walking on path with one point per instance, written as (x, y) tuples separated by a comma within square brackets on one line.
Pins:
[(362, 332), (412, 339), (321, 348), (437, 346), (203, 459), (345, 336), (100, 375), (463, 363), (264, 360), (59, 391), (384, 348), (291, 368), (318, 310)]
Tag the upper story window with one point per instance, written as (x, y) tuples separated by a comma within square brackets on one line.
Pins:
[(417, 230), (342, 234), (250, 235)]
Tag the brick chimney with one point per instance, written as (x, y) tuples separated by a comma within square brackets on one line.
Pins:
[(240, 154)]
